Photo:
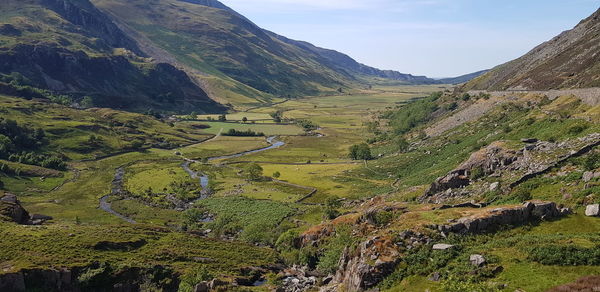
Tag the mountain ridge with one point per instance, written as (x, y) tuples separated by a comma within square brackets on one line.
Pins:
[(569, 60)]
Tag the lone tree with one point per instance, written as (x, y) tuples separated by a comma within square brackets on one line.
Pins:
[(244, 119), (361, 152), (222, 118), (253, 172), (277, 174)]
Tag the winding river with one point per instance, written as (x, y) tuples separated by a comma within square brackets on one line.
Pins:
[(117, 184)]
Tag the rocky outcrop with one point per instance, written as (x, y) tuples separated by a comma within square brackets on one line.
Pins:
[(512, 166), (370, 263), (85, 15), (11, 210), (68, 280), (485, 161), (496, 218)]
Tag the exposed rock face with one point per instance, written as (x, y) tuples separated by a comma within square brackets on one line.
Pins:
[(66, 280), (593, 210), (85, 15), (487, 161), (513, 166), (496, 218), (11, 209), (368, 265)]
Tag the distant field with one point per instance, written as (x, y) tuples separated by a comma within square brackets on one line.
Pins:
[(215, 128), (223, 145), (239, 116)]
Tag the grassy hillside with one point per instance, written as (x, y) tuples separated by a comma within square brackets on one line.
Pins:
[(72, 49)]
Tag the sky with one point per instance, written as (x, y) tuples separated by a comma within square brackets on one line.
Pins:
[(436, 38)]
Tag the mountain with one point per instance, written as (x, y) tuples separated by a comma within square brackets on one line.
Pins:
[(228, 52), (570, 60), (462, 78), (166, 54), (72, 48)]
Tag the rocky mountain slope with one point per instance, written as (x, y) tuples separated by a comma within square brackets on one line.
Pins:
[(462, 78), (229, 52), (70, 47), (570, 60)]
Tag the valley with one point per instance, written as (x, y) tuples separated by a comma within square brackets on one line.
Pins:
[(175, 145)]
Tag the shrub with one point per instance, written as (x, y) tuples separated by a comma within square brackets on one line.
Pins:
[(565, 255), (307, 125), (253, 171), (247, 133), (476, 173), (592, 161), (360, 152), (401, 144), (413, 114), (192, 278)]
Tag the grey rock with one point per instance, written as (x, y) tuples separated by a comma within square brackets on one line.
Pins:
[(494, 186), (435, 277), (442, 246), (201, 287), (592, 210), (477, 260)]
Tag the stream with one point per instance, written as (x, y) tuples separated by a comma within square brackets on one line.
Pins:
[(117, 183)]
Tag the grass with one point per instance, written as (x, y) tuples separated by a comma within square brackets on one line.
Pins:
[(223, 145), (69, 245), (267, 129), (248, 212), (157, 176), (69, 130)]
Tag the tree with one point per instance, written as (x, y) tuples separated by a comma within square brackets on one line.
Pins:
[(87, 102), (254, 172), (401, 144), (244, 119), (361, 152), (222, 118), (277, 174), (192, 116), (276, 116)]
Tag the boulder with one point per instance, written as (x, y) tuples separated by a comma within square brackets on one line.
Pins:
[(477, 260), (592, 210), (11, 209), (201, 287), (494, 186), (442, 246)]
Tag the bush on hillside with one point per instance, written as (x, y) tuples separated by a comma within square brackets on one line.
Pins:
[(360, 152)]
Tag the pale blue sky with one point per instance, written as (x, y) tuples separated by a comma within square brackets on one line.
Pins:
[(437, 38)]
